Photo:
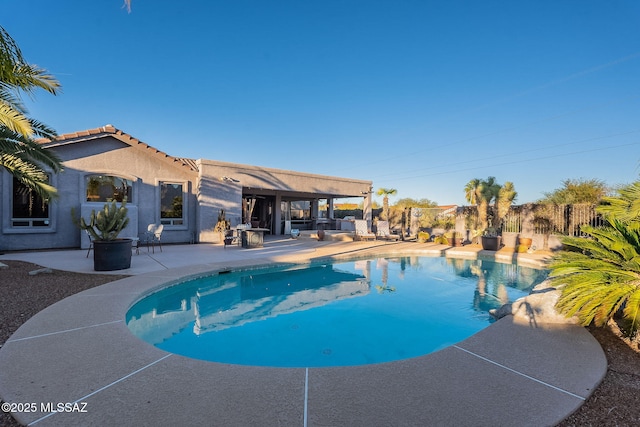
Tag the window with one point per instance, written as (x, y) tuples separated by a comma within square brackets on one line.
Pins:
[(301, 210), (106, 188), (29, 210), (171, 197)]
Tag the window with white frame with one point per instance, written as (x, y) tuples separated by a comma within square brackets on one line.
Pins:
[(28, 209), (171, 203)]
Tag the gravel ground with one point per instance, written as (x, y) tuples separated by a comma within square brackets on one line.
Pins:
[(616, 402)]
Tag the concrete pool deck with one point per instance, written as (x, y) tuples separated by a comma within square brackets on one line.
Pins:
[(80, 351)]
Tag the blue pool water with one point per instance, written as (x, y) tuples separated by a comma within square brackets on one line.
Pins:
[(332, 314)]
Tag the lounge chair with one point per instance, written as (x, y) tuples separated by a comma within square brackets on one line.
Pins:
[(362, 230), (384, 233)]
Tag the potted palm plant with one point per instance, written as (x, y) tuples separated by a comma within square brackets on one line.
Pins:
[(104, 226)]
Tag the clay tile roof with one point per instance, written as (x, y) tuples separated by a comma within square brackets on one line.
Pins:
[(110, 130)]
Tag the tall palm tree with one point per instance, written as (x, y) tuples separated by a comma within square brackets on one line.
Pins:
[(386, 192), (20, 154), (599, 277), (472, 191)]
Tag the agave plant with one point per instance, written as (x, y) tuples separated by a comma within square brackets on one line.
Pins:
[(599, 276)]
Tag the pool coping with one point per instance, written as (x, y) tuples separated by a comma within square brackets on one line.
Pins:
[(80, 351)]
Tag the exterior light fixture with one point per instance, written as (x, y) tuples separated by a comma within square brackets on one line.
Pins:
[(367, 192)]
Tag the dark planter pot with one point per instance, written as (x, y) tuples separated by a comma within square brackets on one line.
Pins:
[(111, 255), (320, 235), (491, 243)]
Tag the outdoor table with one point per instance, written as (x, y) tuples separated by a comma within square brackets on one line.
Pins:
[(253, 237)]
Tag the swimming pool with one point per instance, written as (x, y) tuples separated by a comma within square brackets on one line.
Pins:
[(342, 313)]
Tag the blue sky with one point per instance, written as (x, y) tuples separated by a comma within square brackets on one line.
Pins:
[(420, 96)]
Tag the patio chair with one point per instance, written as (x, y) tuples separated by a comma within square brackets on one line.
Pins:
[(384, 233), (153, 236), (90, 243), (362, 230)]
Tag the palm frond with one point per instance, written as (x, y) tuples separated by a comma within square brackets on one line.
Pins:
[(9, 97), (625, 206), (599, 276), (14, 119), (632, 310), (27, 77), (43, 131), (25, 159)]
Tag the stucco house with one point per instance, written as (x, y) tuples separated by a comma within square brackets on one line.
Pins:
[(185, 195)]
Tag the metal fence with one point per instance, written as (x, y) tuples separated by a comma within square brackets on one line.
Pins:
[(567, 219), (547, 219)]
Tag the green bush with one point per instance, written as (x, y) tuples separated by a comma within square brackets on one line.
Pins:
[(441, 240)]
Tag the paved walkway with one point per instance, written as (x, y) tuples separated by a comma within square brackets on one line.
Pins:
[(79, 351)]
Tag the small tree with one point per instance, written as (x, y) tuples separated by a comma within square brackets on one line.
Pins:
[(386, 192), (574, 191)]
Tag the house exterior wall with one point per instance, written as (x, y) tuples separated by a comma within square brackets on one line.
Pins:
[(222, 185), (108, 156), (108, 151)]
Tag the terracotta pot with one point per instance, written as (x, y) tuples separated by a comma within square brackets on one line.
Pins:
[(454, 241), (525, 241)]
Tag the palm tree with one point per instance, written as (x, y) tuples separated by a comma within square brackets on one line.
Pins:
[(17, 75), (599, 277), (386, 192), (472, 191), (20, 154)]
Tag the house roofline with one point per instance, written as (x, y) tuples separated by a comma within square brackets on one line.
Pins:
[(110, 130)]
